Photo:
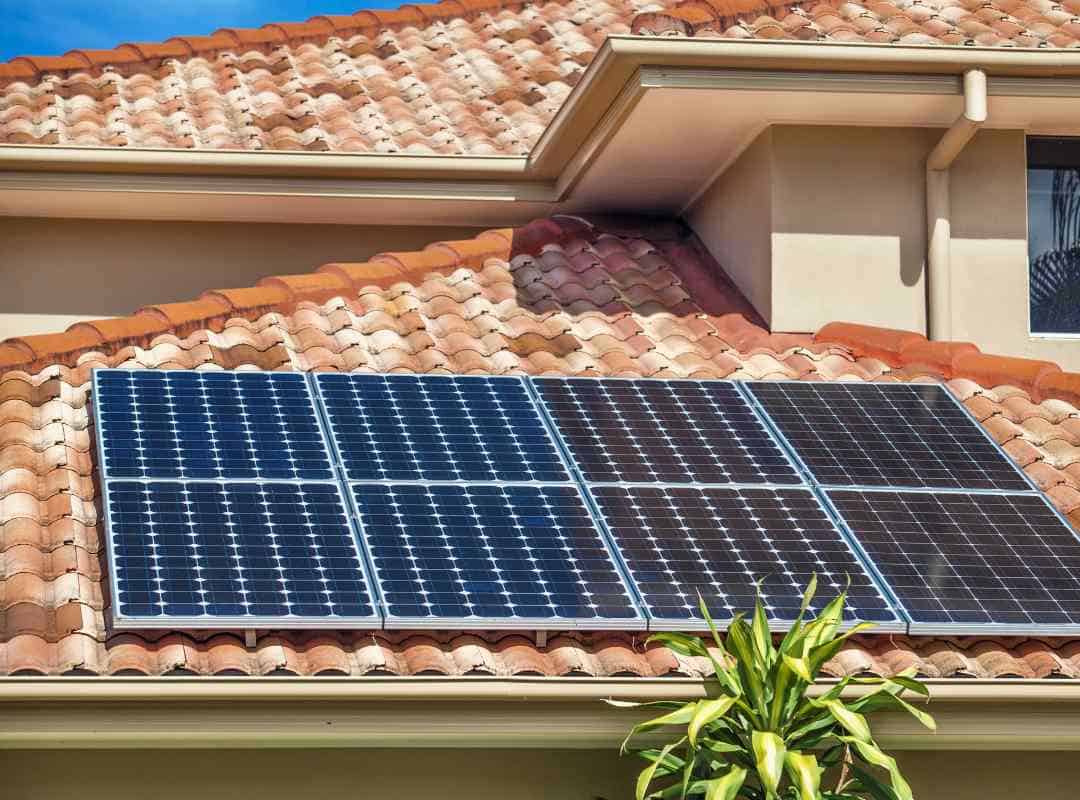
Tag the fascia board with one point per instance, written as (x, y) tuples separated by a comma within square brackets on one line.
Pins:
[(464, 712)]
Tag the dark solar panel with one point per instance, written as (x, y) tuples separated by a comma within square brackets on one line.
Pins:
[(233, 551), (969, 559), (628, 431), (197, 425), (864, 434), (435, 428), (506, 554), (679, 542)]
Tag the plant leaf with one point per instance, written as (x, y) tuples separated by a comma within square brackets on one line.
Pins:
[(741, 646), (799, 667), (871, 785), (885, 699), (759, 630), (805, 774), (870, 753), (681, 643), (680, 716), (769, 751), (707, 711), (727, 786), (646, 776), (853, 722)]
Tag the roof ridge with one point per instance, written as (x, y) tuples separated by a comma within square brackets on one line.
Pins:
[(282, 293), (901, 349), (130, 55)]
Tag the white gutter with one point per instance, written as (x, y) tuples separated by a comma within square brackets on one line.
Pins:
[(487, 712), (938, 214), (107, 689)]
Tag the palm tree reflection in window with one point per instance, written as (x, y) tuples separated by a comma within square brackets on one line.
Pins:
[(1055, 274)]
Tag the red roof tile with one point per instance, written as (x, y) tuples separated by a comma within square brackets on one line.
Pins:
[(458, 76), (560, 296)]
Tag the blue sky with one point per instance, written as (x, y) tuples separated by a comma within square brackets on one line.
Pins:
[(51, 27)]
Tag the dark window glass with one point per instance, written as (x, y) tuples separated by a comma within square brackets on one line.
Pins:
[(1054, 234)]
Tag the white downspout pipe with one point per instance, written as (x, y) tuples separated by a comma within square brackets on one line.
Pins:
[(938, 217)]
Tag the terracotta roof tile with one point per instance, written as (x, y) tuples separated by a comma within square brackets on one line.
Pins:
[(570, 296), (458, 76)]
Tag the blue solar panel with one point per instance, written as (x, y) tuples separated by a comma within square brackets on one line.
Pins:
[(199, 425), (652, 431), (218, 552), (435, 428), (720, 542), (957, 559), (513, 556), (897, 435)]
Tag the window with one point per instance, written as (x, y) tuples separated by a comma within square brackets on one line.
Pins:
[(1054, 235)]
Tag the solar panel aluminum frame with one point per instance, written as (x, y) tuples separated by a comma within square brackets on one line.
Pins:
[(903, 622), (778, 626), (798, 468), (120, 622), (960, 628), (553, 428), (764, 414), (392, 622), (912, 627)]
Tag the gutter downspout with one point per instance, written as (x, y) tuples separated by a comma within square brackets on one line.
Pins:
[(938, 215)]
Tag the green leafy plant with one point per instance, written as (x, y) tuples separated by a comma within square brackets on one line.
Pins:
[(761, 735)]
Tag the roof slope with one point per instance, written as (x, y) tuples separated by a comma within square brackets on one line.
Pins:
[(560, 296), (454, 77)]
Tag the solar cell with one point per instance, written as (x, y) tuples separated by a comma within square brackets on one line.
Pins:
[(678, 542), (899, 435), (959, 559), (205, 425), (216, 551), (515, 556), (408, 427), (681, 431)]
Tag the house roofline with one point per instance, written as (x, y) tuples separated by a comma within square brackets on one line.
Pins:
[(465, 712), (104, 689), (615, 64)]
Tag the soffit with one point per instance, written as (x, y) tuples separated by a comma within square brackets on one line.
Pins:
[(647, 128)]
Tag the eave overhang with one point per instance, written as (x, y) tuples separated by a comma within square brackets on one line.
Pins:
[(651, 122), (197, 712)]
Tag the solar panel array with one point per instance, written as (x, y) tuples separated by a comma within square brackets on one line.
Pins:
[(240, 499), (475, 519)]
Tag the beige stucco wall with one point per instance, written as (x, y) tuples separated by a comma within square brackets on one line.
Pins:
[(55, 271), (849, 229), (989, 251), (734, 220), (817, 223), (845, 213), (464, 774)]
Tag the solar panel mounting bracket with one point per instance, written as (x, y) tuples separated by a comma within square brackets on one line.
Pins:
[(250, 638)]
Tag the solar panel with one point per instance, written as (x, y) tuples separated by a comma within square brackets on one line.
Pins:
[(514, 556), (898, 435), (681, 541), (958, 559), (196, 425), (233, 554), (681, 431), (432, 428)]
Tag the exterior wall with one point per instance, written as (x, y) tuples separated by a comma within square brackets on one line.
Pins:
[(819, 223), (849, 226), (989, 251), (57, 271), (734, 220), (845, 210), (473, 774)]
